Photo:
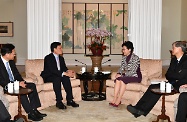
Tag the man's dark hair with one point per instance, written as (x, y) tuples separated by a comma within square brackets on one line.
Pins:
[(7, 48), (54, 45), (181, 44), (129, 45)]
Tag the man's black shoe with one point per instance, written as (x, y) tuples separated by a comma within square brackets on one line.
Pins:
[(60, 105), (32, 116), (134, 111), (72, 103), (136, 115), (39, 114)]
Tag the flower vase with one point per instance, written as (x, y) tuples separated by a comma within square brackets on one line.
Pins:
[(97, 52)]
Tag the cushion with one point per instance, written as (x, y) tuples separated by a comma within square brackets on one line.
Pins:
[(153, 67)]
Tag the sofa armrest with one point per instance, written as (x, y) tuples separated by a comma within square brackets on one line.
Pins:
[(156, 80), (3, 98), (113, 75), (29, 80), (32, 76), (39, 80)]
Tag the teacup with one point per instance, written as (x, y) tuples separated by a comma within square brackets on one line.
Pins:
[(16, 85), (10, 87)]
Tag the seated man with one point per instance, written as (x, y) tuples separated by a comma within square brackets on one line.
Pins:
[(5, 116), (9, 73), (176, 75), (55, 71)]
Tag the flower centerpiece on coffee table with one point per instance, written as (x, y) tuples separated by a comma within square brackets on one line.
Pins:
[(98, 37)]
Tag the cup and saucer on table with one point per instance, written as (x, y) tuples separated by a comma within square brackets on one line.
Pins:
[(12, 87)]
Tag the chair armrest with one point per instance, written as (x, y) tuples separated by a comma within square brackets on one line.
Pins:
[(39, 80), (113, 75), (31, 75), (3, 98), (29, 80), (156, 80)]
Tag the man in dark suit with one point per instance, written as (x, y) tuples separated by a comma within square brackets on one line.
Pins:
[(5, 116), (9, 73), (176, 75), (55, 71)]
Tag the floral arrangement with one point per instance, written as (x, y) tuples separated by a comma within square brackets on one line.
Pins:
[(98, 37)]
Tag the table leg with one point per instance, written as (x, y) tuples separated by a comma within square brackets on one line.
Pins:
[(163, 116), (19, 115), (100, 86), (85, 84)]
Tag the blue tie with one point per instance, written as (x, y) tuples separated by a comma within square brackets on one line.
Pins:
[(9, 72), (58, 63)]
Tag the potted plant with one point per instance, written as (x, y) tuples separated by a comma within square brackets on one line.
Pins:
[(98, 37)]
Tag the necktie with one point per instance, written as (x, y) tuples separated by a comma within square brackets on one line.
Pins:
[(9, 72), (58, 63)]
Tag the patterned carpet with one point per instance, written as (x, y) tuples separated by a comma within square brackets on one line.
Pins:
[(93, 111)]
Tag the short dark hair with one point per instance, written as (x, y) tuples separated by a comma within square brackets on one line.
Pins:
[(181, 44), (7, 48), (54, 45), (129, 45)]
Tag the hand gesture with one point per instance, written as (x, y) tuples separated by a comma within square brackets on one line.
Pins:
[(22, 84), (70, 73), (117, 75)]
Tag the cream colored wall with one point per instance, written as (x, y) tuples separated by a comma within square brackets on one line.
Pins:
[(184, 20), (16, 12), (171, 25), (174, 26)]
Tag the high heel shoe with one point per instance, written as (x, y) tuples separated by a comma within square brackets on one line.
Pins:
[(112, 104), (116, 105)]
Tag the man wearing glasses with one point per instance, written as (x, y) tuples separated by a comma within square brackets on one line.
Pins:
[(9, 73)]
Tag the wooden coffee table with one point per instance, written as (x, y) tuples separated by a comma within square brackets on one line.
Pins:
[(89, 76), (163, 116), (18, 93)]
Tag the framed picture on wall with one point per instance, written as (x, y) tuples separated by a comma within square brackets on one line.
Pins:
[(6, 29)]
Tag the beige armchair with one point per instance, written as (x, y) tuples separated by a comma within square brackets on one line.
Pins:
[(33, 69)]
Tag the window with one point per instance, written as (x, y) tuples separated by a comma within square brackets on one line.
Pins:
[(78, 17)]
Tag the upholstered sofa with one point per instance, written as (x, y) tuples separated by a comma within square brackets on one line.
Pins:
[(152, 72), (33, 69)]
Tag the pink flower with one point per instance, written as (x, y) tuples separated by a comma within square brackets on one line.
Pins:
[(98, 36)]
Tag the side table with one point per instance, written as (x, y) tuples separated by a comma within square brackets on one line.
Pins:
[(18, 93), (163, 116)]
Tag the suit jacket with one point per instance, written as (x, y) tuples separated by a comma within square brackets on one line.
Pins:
[(177, 72), (50, 67), (132, 68), (4, 78)]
